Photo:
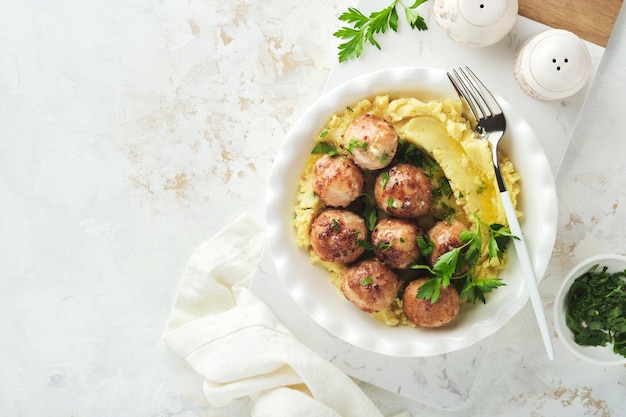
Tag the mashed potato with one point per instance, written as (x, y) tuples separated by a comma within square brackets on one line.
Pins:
[(439, 130)]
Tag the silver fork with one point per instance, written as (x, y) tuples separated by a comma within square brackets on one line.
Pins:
[(491, 124)]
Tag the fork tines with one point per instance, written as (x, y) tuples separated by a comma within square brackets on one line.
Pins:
[(479, 99)]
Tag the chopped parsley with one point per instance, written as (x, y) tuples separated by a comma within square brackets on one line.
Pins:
[(425, 244), (448, 211), (596, 309), (444, 189), (382, 246), (385, 246), (384, 179), (366, 281), (356, 144)]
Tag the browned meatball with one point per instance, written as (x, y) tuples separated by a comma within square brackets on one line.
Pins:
[(337, 180), (395, 242), (335, 234), (370, 285), (372, 141), (445, 235), (403, 191), (426, 314)]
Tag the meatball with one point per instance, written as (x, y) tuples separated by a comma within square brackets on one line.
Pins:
[(426, 314), (337, 180), (335, 235), (403, 191), (372, 141), (395, 242), (445, 236), (370, 285)]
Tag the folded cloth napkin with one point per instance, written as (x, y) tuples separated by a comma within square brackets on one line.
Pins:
[(231, 338)]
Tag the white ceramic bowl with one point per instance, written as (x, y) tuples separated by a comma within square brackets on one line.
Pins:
[(310, 286), (601, 355)]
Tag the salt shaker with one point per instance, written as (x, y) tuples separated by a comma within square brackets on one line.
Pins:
[(552, 65), (476, 23)]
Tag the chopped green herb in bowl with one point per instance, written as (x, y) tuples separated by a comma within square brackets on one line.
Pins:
[(590, 310)]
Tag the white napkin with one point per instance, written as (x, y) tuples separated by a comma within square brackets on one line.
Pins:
[(234, 341)]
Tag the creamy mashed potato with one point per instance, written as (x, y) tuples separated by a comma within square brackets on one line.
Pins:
[(439, 130)]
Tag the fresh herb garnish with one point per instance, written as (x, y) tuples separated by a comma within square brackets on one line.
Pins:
[(596, 309), (409, 153), (325, 148), (384, 179), (336, 226), (365, 243), (366, 281), (425, 244), (447, 211), (385, 246), (364, 28), (370, 211), (356, 144), (382, 246), (500, 237), (459, 264), (444, 188)]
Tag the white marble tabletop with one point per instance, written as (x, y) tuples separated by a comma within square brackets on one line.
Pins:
[(132, 131)]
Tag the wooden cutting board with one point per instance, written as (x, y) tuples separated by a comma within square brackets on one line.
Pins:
[(592, 21)]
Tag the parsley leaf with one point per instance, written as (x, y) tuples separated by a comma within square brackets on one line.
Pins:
[(430, 290), (363, 28), (325, 148), (475, 289), (501, 236)]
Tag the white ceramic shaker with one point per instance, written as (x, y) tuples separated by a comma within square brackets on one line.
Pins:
[(552, 65), (476, 23)]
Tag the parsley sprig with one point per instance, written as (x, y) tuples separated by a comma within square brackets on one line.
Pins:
[(460, 263), (364, 28)]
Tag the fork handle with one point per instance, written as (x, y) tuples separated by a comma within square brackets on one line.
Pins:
[(527, 269)]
